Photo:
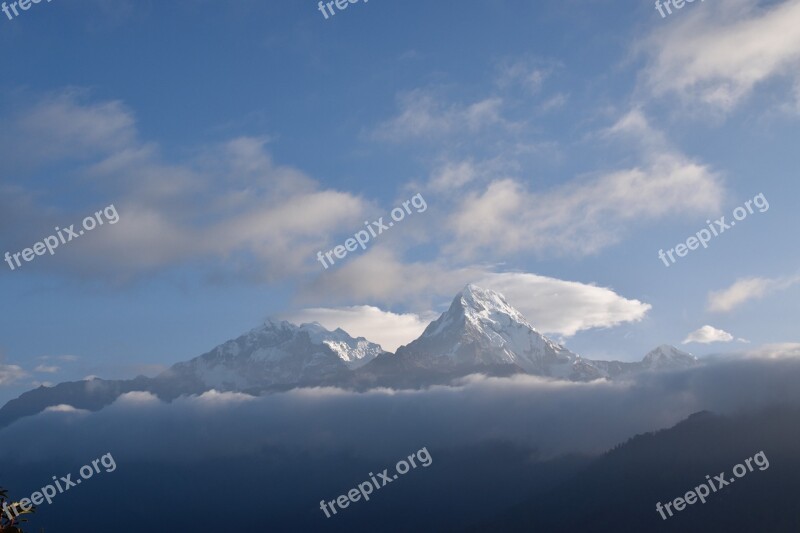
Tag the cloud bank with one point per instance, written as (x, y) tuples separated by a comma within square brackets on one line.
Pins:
[(554, 417)]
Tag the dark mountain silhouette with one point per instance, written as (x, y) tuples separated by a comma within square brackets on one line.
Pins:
[(618, 492)]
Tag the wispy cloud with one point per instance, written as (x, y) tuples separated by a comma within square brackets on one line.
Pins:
[(415, 283), (721, 51), (64, 358), (11, 373), (68, 125), (526, 73), (423, 115), (747, 289), (46, 369), (785, 350), (585, 216), (232, 207)]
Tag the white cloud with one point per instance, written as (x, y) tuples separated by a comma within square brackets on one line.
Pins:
[(64, 358), (64, 408), (62, 126), (390, 330), (453, 175), (555, 102), (416, 283), (581, 218), (552, 305), (530, 75), (786, 350), (707, 335), (592, 416), (46, 369), (746, 289), (423, 115), (11, 373), (232, 207), (218, 399), (562, 307), (135, 398), (721, 51)]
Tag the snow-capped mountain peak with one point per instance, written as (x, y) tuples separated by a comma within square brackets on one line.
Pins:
[(482, 329), (354, 352), (278, 352), (487, 306), (666, 356), (480, 332)]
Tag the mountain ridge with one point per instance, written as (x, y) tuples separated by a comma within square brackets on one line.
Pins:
[(479, 333)]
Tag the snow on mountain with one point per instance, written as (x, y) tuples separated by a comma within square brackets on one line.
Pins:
[(354, 352), (480, 332), (277, 353), (663, 358), (482, 329), (668, 357)]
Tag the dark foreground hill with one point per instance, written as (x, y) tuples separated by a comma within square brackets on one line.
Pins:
[(490, 487), (619, 491)]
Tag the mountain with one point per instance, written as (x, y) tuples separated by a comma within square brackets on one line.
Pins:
[(618, 492), (667, 357), (479, 333), (482, 331), (663, 358), (274, 356), (277, 353)]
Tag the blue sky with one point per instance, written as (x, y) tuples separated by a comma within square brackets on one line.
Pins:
[(558, 147)]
